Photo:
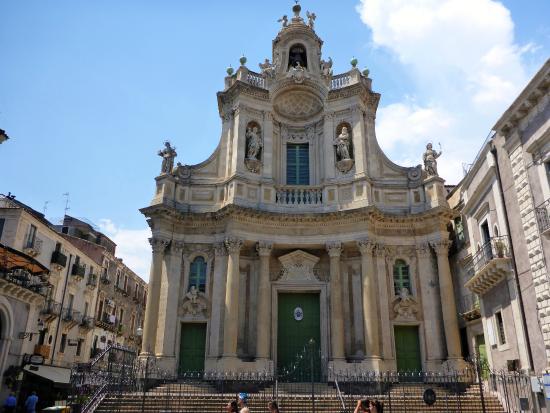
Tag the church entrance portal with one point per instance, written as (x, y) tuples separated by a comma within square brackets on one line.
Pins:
[(192, 347), (407, 348), (299, 336)]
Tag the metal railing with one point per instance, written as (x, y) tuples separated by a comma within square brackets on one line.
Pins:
[(469, 307), (496, 247), (51, 307), (92, 280), (71, 315), (78, 270), (27, 280), (543, 216), (59, 258)]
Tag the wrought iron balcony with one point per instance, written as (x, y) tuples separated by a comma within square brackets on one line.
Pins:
[(58, 258), (121, 290), (92, 281), (105, 279), (51, 309), (543, 217), (489, 265), (107, 323), (87, 322), (469, 307), (78, 271), (26, 280), (33, 247), (72, 316)]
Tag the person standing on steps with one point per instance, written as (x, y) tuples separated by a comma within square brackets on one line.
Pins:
[(243, 401), (273, 407), (232, 407)]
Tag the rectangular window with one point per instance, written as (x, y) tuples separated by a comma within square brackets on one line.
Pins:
[(30, 237), (86, 305), (63, 343), (297, 164), (500, 328), (79, 346), (117, 283), (71, 302), (2, 220)]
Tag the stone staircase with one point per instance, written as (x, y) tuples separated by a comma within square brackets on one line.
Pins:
[(293, 398)]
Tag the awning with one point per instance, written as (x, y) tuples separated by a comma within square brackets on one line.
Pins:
[(11, 259), (58, 375)]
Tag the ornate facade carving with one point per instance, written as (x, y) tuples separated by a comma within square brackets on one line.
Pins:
[(233, 245), (194, 304), (158, 244), (298, 266), (264, 248), (334, 249), (441, 247), (366, 247), (405, 306)]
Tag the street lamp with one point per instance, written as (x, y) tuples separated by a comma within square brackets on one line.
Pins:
[(3, 136)]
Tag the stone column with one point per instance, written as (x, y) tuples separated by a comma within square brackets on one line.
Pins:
[(263, 321), (231, 318), (169, 299), (370, 295), (217, 297), (153, 292), (430, 300), (337, 318), (381, 276), (448, 305)]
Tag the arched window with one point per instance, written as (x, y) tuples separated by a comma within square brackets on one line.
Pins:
[(197, 274), (401, 276)]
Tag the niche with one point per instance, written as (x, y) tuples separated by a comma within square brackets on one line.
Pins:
[(253, 147), (343, 147), (297, 54)]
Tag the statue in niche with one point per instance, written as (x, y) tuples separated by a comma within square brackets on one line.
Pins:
[(168, 154), (342, 144), (268, 68), (326, 67), (284, 21), (311, 19), (430, 160), (194, 302), (254, 143), (298, 73), (405, 306)]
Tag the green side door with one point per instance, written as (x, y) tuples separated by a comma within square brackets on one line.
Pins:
[(299, 322), (192, 347), (407, 348)]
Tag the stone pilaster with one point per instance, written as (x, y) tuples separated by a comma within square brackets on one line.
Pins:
[(152, 307), (218, 302), (448, 304), (169, 294), (370, 294), (337, 318), (231, 318), (380, 252), (430, 301), (263, 328)]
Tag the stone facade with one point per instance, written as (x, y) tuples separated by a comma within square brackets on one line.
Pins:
[(236, 234)]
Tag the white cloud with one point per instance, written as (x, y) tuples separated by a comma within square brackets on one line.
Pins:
[(466, 70), (132, 246)]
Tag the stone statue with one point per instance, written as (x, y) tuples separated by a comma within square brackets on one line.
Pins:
[(342, 144), (284, 21), (430, 163), (311, 19), (298, 73), (194, 303), (406, 306), (168, 154), (267, 68), (326, 67), (254, 143)]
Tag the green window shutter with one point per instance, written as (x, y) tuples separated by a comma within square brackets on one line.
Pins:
[(297, 164), (197, 274), (401, 277)]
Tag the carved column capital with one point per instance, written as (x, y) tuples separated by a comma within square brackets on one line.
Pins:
[(334, 248), (176, 247), (264, 248), (441, 247), (423, 250), (233, 245), (380, 250), (366, 246), (158, 244), (219, 249)]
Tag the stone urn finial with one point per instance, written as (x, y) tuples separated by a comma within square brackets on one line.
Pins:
[(242, 60), (366, 72), (353, 62), (296, 9), (229, 70)]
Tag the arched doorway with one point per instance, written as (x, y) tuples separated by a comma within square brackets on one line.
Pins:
[(6, 331)]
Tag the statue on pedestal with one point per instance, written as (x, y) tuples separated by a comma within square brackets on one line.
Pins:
[(168, 154), (311, 19), (342, 144), (284, 21), (268, 68), (430, 162), (254, 143), (326, 67)]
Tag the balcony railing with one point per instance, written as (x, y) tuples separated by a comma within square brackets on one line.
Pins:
[(340, 81), (255, 79), (489, 265), (51, 308), (121, 290), (71, 315), (107, 323), (87, 322), (299, 195), (59, 258), (33, 247), (25, 279), (543, 217), (92, 281), (469, 307), (78, 270), (105, 279)]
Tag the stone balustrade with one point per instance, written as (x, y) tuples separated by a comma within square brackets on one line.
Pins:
[(299, 195), (256, 79), (340, 81)]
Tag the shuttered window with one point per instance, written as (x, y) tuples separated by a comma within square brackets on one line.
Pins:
[(297, 164), (197, 274)]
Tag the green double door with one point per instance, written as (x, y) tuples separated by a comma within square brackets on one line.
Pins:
[(407, 348), (299, 336), (192, 347)]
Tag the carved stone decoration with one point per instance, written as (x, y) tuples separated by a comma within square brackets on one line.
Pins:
[(254, 145), (414, 173), (158, 244), (298, 266), (342, 144), (194, 303), (334, 249), (183, 171), (264, 248), (267, 68), (441, 247), (366, 247), (405, 306), (297, 104), (430, 160), (233, 245), (326, 67), (168, 153), (300, 135), (298, 73)]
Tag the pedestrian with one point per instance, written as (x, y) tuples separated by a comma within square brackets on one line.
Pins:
[(243, 401), (273, 407), (362, 406), (10, 403), (232, 407), (30, 403)]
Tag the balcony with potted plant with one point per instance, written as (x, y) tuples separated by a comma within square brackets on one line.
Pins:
[(78, 271)]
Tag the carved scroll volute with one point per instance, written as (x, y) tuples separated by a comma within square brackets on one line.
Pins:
[(366, 247), (233, 245), (334, 248), (264, 248), (441, 247), (158, 244)]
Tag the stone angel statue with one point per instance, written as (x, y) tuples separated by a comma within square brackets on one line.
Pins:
[(311, 19), (326, 67), (342, 144), (254, 143), (267, 68), (168, 154), (284, 21), (430, 160)]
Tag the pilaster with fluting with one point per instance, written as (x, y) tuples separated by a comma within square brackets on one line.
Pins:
[(231, 318), (448, 304), (263, 320), (218, 300), (370, 295), (334, 250), (152, 306), (380, 253)]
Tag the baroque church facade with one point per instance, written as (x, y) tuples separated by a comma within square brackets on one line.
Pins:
[(299, 231)]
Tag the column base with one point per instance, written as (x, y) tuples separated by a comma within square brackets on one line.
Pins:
[(455, 364), (167, 364)]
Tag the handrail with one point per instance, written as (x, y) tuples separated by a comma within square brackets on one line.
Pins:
[(339, 393), (496, 247)]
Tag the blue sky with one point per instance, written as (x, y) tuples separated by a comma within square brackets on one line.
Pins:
[(90, 89)]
